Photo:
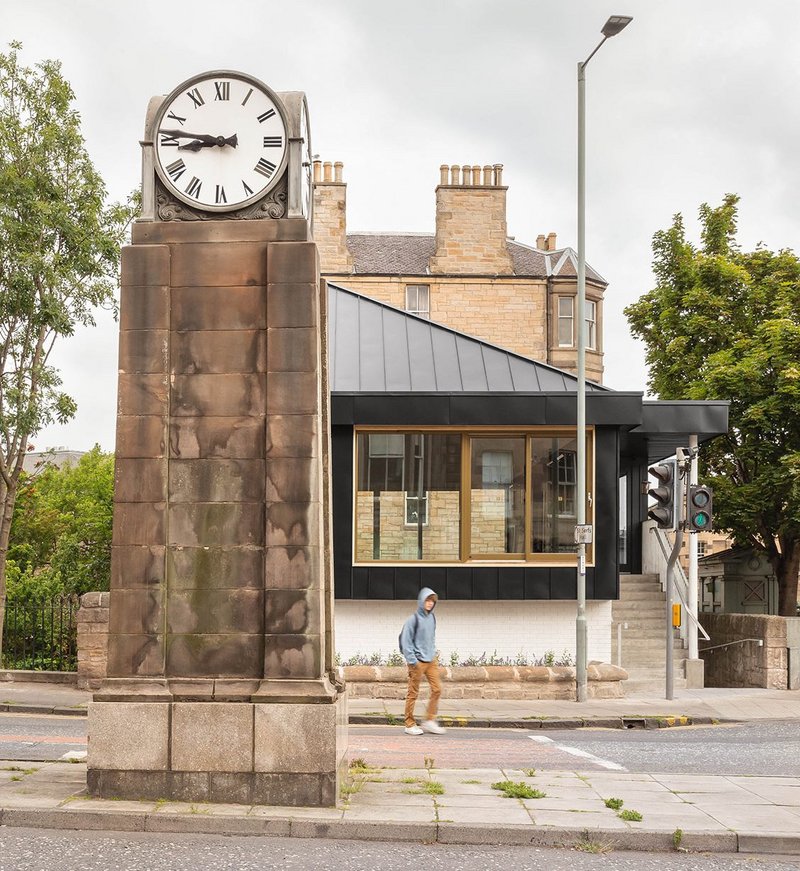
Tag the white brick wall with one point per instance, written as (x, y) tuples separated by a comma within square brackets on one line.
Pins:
[(472, 628)]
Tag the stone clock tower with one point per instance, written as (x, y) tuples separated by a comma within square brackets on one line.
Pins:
[(221, 682)]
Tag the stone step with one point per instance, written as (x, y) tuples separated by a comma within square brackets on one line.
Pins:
[(639, 587), (642, 596), (645, 577)]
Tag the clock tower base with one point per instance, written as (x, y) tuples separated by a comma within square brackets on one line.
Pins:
[(221, 681)]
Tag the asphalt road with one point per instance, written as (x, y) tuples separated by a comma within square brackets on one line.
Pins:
[(36, 849), (766, 748), (39, 739)]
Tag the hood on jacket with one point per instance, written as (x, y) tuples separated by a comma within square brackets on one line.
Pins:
[(425, 593)]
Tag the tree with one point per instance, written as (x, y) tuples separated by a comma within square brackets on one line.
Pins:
[(725, 324), (59, 258), (61, 532)]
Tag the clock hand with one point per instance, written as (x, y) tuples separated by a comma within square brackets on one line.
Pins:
[(202, 140)]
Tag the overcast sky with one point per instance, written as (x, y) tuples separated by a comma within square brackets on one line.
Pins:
[(696, 98)]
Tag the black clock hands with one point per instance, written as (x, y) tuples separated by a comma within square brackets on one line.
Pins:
[(201, 140)]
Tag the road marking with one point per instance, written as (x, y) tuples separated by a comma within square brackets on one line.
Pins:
[(74, 754), (574, 751)]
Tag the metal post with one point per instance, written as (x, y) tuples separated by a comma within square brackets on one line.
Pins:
[(693, 569), (673, 558), (580, 620), (612, 27)]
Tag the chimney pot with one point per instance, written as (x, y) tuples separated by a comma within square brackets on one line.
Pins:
[(317, 170), (541, 242), (455, 174), (328, 170), (337, 167), (467, 170), (476, 174), (444, 173), (551, 242), (487, 175), (498, 174)]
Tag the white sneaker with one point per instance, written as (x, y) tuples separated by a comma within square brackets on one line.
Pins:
[(433, 727), (413, 730)]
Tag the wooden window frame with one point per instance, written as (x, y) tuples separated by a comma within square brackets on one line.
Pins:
[(529, 558)]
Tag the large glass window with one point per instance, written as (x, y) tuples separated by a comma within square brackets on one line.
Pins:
[(408, 501), (497, 496), (460, 496)]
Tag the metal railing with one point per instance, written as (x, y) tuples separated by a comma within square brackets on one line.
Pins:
[(41, 634)]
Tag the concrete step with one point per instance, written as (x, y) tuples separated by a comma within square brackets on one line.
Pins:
[(642, 596), (641, 620)]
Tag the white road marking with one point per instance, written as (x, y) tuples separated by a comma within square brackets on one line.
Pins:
[(74, 754), (574, 751)]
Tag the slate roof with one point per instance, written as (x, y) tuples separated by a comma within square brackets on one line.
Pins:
[(377, 348), (410, 254)]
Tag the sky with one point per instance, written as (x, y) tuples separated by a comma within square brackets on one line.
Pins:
[(695, 99)]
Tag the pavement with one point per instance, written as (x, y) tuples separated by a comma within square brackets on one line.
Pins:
[(691, 812)]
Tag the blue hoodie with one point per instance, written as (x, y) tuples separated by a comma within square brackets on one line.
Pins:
[(418, 638)]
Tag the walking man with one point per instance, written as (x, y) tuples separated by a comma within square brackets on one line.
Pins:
[(418, 646)]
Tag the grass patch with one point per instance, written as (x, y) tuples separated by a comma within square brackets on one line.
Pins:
[(588, 844), (517, 790), (476, 782), (19, 768), (427, 787), (630, 816), (529, 772), (391, 720), (614, 803), (677, 838), (359, 766), (411, 780)]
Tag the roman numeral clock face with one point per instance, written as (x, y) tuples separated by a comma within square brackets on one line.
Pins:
[(220, 141)]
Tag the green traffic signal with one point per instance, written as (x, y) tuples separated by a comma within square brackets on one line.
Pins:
[(699, 508)]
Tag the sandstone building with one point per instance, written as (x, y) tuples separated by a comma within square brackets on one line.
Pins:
[(469, 275)]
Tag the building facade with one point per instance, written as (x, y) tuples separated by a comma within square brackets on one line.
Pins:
[(469, 275)]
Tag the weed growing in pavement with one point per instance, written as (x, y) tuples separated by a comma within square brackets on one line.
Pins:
[(529, 772), (18, 768), (16, 777), (410, 780), (517, 790), (359, 766), (427, 787), (614, 803), (391, 720), (160, 802), (677, 837), (476, 782), (429, 762), (587, 844), (630, 816)]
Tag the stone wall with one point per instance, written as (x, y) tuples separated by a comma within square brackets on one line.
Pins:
[(92, 620), (745, 664), (488, 682)]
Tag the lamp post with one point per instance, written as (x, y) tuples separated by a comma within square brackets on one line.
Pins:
[(611, 28)]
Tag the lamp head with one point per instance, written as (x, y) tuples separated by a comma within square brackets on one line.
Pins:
[(615, 24)]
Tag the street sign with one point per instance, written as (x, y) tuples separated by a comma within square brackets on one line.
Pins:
[(583, 533)]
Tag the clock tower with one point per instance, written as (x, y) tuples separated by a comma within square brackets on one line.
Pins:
[(221, 682)]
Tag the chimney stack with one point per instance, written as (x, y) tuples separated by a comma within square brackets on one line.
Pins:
[(329, 229), (471, 229)]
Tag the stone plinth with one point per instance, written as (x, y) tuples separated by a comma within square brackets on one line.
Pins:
[(219, 643)]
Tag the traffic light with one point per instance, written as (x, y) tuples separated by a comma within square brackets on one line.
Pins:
[(699, 507), (664, 511)]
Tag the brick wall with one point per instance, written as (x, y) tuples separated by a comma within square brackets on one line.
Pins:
[(92, 620)]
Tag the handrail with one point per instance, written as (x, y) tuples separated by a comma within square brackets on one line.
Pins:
[(760, 642), (680, 575)]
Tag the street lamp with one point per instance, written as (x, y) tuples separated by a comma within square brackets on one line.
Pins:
[(611, 28)]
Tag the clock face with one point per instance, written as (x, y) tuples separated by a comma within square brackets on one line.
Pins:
[(220, 141)]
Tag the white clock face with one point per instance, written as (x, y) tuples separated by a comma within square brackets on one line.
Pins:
[(220, 141)]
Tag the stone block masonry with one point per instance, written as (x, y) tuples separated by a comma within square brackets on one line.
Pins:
[(219, 611)]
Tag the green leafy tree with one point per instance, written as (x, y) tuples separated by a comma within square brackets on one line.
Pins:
[(725, 324), (61, 532), (59, 257)]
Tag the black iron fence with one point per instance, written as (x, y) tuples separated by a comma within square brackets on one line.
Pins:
[(41, 634)]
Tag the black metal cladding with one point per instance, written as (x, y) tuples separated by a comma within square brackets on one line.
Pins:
[(475, 581)]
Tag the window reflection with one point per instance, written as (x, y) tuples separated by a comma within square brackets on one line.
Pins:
[(497, 497), (554, 483)]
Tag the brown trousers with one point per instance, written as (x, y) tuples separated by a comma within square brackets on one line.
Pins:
[(415, 673)]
